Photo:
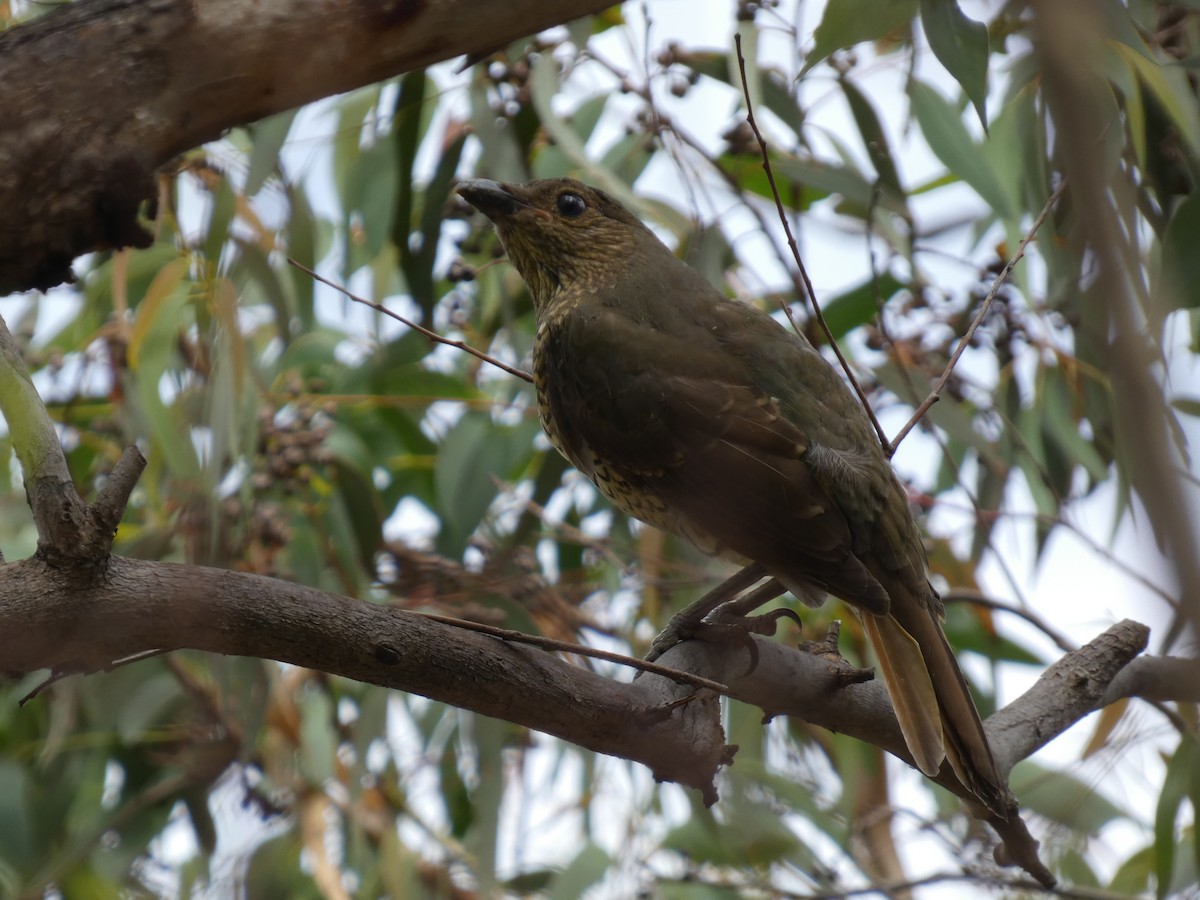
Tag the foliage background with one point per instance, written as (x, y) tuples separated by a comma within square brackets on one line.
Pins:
[(292, 433)]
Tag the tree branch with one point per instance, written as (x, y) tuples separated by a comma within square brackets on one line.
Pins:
[(1074, 686), (51, 617), (104, 92), (73, 608), (48, 620), (810, 294)]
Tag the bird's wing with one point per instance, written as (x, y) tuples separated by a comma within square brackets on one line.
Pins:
[(679, 419)]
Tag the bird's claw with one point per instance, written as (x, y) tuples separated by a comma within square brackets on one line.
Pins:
[(764, 624), (730, 626), (684, 624)]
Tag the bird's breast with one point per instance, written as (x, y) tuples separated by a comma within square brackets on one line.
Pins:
[(631, 492)]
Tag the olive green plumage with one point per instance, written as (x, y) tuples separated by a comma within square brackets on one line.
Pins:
[(705, 417)]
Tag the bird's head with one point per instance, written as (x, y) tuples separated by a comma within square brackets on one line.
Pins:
[(560, 233)]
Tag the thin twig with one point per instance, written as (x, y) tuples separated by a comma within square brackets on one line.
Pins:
[(569, 532), (1058, 521), (787, 230), (936, 393), (60, 674), (432, 335), (976, 877), (693, 143), (520, 637), (975, 598)]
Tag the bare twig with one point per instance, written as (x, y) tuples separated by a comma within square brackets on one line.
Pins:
[(976, 877), (1106, 553), (936, 393), (689, 140), (535, 640), (431, 335), (787, 230), (975, 598), (567, 531)]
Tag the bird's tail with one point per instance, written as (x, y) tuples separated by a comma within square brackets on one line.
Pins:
[(932, 701), (911, 690)]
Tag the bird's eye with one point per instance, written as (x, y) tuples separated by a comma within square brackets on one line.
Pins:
[(571, 205)]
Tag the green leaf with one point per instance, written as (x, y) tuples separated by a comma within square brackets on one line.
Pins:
[(861, 304), (629, 156), (370, 192), (588, 867), (433, 201), (252, 270), (708, 252), (1060, 426), (274, 872), (473, 453), (220, 217), (144, 704), (302, 234), (943, 129), (1132, 878), (318, 739), (1180, 261), (813, 174), (849, 22), (587, 114), (164, 296), (268, 136), (874, 140), (406, 126), (490, 739), (16, 826), (1181, 782), (1169, 84), (966, 632), (1189, 406), (961, 45), (460, 808), (363, 512), (1075, 869), (1062, 798), (696, 890)]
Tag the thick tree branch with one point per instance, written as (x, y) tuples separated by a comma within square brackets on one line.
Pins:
[(1074, 686), (49, 620), (100, 93)]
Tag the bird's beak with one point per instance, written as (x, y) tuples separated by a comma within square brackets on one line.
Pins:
[(495, 200)]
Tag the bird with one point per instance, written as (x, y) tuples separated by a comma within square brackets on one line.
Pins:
[(703, 416)]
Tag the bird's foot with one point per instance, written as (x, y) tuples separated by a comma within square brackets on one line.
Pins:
[(765, 624), (684, 624), (729, 624)]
